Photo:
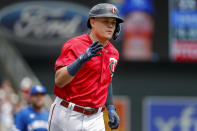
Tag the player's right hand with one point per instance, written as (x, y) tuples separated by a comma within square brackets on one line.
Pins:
[(91, 51)]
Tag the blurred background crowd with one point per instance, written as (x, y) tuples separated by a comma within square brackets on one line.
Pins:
[(11, 102), (154, 82)]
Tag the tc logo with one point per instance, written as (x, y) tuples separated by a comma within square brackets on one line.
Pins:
[(112, 65), (113, 10)]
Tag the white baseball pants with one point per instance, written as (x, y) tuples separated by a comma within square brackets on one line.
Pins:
[(65, 119)]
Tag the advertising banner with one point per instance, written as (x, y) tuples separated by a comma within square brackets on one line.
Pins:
[(183, 30), (170, 114), (42, 25)]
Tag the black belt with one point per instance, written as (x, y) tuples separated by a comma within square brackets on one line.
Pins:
[(81, 109)]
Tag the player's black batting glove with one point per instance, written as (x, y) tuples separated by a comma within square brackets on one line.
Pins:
[(113, 117), (91, 52), (74, 67)]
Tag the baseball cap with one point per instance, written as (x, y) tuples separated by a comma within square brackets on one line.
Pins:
[(38, 89)]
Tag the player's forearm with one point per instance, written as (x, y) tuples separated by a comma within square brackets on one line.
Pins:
[(62, 77), (65, 75), (109, 100)]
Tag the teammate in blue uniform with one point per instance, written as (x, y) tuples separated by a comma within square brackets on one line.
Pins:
[(33, 117)]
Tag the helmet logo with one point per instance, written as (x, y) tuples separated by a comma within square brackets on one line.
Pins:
[(113, 10)]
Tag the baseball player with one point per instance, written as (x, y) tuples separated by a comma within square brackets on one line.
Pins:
[(84, 71), (33, 117)]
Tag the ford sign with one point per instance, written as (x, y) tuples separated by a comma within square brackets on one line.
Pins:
[(170, 114), (43, 22)]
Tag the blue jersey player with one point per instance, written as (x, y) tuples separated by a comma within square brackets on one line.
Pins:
[(33, 117)]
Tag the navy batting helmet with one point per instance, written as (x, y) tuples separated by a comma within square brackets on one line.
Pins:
[(106, 10)]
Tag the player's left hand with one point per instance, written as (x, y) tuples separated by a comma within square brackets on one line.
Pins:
[(113, 117)]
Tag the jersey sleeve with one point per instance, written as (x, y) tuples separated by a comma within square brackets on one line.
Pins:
[(19, 122), (68, 55)]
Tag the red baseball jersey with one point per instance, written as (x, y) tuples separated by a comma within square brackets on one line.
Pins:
[(89, 86)]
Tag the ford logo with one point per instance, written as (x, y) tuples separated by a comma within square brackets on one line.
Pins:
[(43, 22)]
